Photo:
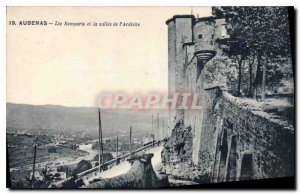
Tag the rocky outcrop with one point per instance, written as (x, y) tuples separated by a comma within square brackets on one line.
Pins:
[(177, 152), (140, 175)]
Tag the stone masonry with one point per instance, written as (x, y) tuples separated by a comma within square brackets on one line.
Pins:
[(226, 140)]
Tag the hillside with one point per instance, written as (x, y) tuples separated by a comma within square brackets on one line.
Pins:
[(76, 118)]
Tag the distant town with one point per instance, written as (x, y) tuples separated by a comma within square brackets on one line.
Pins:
[(61, 154)]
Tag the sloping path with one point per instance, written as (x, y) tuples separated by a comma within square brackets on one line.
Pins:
[(124, 167)]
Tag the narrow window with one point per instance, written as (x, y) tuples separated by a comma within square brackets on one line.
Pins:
[(200, 36), (223, 31)]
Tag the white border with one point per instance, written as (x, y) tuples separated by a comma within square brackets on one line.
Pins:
[(148, 3), (5, 3)]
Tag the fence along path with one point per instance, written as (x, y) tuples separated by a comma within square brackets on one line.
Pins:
[(116, 161)]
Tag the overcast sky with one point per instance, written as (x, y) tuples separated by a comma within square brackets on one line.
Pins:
[(70, 66)]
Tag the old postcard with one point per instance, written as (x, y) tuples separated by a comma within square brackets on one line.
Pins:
[(150, 97)]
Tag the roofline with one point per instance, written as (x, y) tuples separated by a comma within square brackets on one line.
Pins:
[(180, 16), (209, 18), (194, 20)]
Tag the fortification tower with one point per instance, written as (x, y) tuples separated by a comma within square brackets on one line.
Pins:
[(190, 47), (204, 29), (180, 32), (204, 36)]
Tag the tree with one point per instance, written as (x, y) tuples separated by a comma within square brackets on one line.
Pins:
[(262, 31), (82, 166), (238, 49), (237, 46), (52, 149), (251, 63)]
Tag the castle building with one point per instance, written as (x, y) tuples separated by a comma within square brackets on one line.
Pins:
[(191, 44), (223, 141)]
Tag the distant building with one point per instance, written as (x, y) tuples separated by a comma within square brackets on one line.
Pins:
[(106, 140)]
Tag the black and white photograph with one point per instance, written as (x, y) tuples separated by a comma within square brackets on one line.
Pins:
[(150, 97)]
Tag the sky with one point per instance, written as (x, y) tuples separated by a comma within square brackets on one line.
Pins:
[(71, 66)]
